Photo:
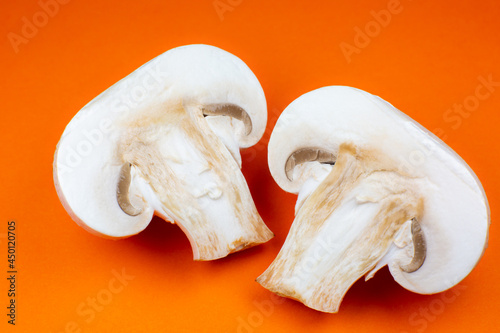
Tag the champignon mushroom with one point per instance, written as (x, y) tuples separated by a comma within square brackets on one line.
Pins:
[(165, 140), (374, 188)]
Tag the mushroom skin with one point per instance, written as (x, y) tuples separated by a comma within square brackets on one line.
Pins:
[(366, 201), (165, 141)]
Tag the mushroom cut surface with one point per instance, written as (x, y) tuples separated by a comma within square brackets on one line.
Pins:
[(374, 188), (165, 140)]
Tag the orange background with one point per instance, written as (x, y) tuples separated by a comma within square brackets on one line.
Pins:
[(426, 59)]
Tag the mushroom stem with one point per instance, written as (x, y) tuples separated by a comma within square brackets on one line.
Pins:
[(189, 182), (343, 229)]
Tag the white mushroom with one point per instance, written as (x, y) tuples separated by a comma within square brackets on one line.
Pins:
[(165, 140), (375, 188)]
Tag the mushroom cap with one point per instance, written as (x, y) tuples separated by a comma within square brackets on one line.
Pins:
[(86, 165), (456, 213)]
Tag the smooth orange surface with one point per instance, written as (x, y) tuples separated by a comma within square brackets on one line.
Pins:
[(430, 56)]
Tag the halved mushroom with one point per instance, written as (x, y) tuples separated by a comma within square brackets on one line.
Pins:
[(165, 140), (375, 188)]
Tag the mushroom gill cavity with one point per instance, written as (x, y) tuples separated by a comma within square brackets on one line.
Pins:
[(309, 154), (419, 248), (230, 110), (122, 191)]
